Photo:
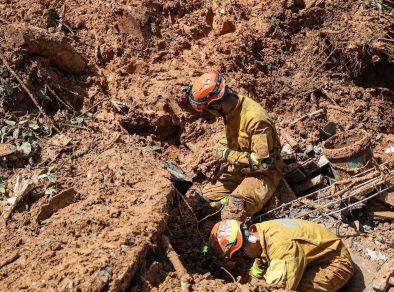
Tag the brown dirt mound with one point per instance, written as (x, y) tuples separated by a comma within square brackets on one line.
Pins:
[(98, 240)]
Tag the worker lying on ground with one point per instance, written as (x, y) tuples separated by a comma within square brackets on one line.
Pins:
[(252, 145), (298, 254)]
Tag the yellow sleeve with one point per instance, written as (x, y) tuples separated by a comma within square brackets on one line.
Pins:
[(262, 143), (286, 266)]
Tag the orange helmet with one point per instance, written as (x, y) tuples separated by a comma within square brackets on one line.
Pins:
[(226, 238), (206, 89)]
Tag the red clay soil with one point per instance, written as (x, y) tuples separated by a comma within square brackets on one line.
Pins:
[(97, 241), (126, 113)]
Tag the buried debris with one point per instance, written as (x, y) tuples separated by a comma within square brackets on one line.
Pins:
[(336, 199), (23, 186), (9, 259), (181, 271), (56, 203), (384, 279), (309, 115), (349, 153)]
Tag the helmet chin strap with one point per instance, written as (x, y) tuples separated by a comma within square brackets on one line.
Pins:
[(221, 112)]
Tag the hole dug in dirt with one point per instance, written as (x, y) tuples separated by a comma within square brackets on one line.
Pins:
[(48, 68), (379, 74)]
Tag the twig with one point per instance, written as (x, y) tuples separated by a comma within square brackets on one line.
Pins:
[(192, 212), (64, 103), (309, 115), (181, 214), (31, 95), (93, 106), (228, 273), (29, 92), (75, 126), (9, 260), (210, 215)]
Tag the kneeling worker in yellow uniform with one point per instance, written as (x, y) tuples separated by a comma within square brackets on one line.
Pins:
[(298, 254), (251, 147)]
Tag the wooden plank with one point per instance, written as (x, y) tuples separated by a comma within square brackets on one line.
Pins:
[(387, 198), (382, 215)]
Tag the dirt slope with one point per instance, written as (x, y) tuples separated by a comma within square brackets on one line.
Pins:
[(98, 240)]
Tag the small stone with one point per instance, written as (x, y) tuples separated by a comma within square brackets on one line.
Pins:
[(309, 149), (317, 149), (125, 248), (156, 149), (70, 285)]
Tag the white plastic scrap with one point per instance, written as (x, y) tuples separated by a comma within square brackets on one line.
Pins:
[(389, 149)]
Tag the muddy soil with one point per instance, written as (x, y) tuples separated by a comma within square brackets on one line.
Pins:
[(111, 85), (97, 240)]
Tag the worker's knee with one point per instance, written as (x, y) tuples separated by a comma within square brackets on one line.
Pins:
[(256, 193), (210, 193), (331, 276)]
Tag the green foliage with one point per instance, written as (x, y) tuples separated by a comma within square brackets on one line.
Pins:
[(380, 5), (22, 133)]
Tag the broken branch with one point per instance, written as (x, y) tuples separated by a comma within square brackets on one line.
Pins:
[(180, 270), (9, 260), (29, 93), (312, 114)]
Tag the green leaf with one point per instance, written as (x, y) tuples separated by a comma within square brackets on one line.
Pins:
[(33, 125), (15, 133), (4, 130), (2, 189), (9, 122), (26, 148), (379, 6)]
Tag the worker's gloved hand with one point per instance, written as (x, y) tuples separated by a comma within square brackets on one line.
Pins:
[(256, 270), (254, 160), (222, 202), (222, 153)]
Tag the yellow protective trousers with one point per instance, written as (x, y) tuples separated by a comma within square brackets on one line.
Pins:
[(255, 190)]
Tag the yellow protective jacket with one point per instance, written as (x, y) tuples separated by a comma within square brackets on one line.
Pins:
[(288, 247), (249, 130)]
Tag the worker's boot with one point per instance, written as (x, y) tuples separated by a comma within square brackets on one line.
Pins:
[(235, 209), (204, 207)]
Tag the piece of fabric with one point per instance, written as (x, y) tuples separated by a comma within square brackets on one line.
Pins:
[(302, 245)]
